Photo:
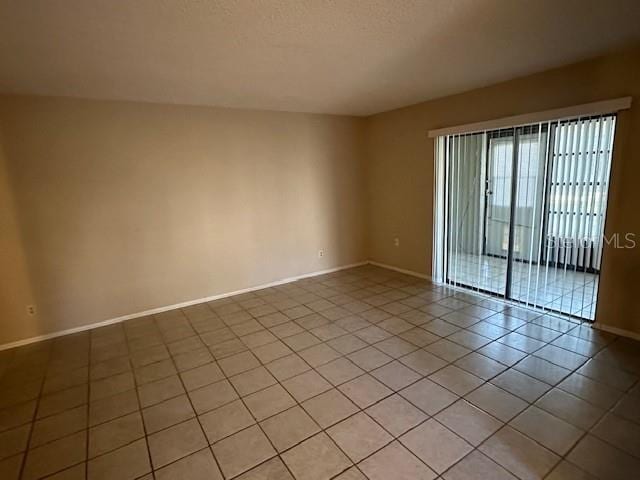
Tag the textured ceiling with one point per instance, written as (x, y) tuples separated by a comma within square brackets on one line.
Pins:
[(344, 56)]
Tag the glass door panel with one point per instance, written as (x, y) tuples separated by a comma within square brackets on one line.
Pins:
[(528, 214), (568, 166), (469, 198), (498, 205)]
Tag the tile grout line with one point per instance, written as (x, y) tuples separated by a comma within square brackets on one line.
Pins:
[(140, 413), (257, 423), (393, 358), (336, 386), (196, 416), (33, 423), (88, 432)]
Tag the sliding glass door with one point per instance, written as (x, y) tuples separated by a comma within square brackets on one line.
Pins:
[(466, 239), (524, 212)]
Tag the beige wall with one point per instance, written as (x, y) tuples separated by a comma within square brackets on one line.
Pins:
[(15, 289), (111, 208), (401, 168)]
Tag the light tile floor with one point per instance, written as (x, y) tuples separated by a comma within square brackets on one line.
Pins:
[(363, 373), (565, 291)]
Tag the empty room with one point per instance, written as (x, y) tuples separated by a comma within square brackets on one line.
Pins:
[(318, 239)]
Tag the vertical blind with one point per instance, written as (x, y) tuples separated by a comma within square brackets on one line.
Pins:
[(522, 211), (578, 188)]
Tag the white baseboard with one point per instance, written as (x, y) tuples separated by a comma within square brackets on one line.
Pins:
[(401, 270), (617, 331), (606, 328), (111, 321)]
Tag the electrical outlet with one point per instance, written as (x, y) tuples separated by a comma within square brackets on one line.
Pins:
[(31, 310), (320, 253), (396, 242)]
